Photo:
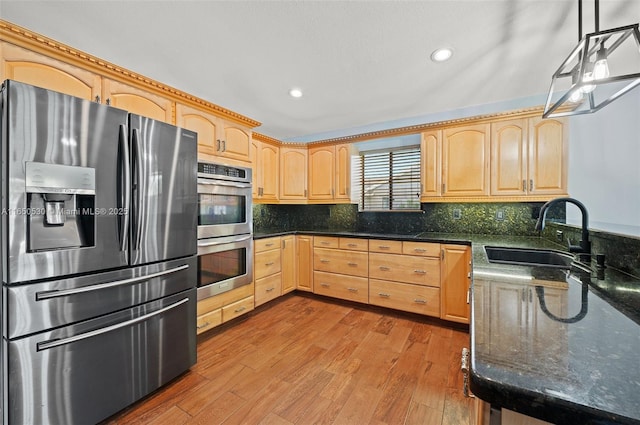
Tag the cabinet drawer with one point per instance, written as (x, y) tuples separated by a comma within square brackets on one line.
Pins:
[(260, 245), (354, 244), (425, 249), (390, 247), (208, 321), (341, 286), (404, 296), (326, 242), (267, 263), (405, 268), (268, 288), (353, 263), (236, 309)]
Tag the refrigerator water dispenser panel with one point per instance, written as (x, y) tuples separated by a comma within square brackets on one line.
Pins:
[(60, 206)]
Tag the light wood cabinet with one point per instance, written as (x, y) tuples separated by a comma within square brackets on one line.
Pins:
[(341, 273), (528, 157), (431, 163), (403, 296), (26, 66), (330, 173), (293, 174), (289, 263), (218, 309), (137, 101), (465, 161), (266, 171), (346, 287), (304, 262), (267, 269), (456, 279)]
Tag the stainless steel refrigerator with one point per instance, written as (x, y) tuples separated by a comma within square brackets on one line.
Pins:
[(98, 248)]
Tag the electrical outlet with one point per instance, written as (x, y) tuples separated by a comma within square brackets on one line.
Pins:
[(457, 213), (500, 215)]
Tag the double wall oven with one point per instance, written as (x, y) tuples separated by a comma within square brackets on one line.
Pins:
[(225, 228)]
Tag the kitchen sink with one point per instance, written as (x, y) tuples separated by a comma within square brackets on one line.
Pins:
[(529, 257)]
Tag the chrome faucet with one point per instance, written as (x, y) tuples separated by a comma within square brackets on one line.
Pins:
[(584, 248)]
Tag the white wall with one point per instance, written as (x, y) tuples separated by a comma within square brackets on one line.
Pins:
[(604, 166)]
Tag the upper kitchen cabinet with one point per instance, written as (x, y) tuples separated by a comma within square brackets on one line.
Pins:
[(465, 161), (137, 101), (266, 168), (330, 173), (548, 154), (293, 174), (431, 163), (217, 138), (29, 67), (528, 158)]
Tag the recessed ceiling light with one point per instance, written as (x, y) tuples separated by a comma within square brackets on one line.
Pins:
[(442, 54), (295, 92)]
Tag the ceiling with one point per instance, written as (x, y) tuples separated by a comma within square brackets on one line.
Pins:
[(359, 63)]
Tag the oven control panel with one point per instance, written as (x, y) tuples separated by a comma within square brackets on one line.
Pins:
[(226, 172)]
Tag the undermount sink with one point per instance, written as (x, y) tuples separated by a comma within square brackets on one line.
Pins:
[(529, 257)]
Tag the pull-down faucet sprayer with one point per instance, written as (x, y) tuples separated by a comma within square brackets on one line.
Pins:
[(584, 248)]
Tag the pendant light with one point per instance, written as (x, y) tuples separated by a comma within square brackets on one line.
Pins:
[(603, 66)]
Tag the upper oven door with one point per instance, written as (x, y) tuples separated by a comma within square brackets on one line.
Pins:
[(224, 208)]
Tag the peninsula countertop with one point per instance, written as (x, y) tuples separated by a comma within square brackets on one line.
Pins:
[(559, 345)]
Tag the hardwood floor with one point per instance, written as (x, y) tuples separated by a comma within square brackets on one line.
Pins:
[(308, 360)]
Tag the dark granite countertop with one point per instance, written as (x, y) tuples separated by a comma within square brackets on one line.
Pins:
[(559, 345)]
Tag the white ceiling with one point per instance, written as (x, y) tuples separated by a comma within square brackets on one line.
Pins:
[(358, 62)]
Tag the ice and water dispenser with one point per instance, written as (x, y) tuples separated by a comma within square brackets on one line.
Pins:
[(60, 206)]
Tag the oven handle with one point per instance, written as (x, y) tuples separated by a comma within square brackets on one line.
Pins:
[(223, 183), (57, 293), (225, 242), (46, 345)]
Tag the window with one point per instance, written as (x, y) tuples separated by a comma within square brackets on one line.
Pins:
[(387, 180)]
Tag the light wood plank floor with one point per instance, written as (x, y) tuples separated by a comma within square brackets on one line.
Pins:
[(309, 360)]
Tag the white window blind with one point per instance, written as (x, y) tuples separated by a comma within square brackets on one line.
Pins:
[(387, 180)]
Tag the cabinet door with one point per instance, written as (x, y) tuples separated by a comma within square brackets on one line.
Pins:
[(431, 159), (137, 101), (288, 264), (253, 154), (321, 173), (293, 178), (206, 125), (342, 190), (547, 156), (39, 70), (236, 143), (466, 161), (456, 278), (509, 157), (266, 171), (304, 254)]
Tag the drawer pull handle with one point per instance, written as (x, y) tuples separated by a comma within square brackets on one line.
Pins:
[(420, 272), (353, 264), (353, 245), (269, 244), (204, 325), (324, 285), (325, 243), (419, 250), (384, 295), (270, 289), (322, 260), (384, 247), (238, 310), (384, 268), (420, 301), (269, 264), (352, 289)]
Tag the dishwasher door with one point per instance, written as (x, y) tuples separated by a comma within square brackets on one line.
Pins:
[(86, 372)]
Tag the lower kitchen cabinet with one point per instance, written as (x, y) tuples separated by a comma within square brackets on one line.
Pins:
[(289, 263), (456, 279), (508, 417), (304, 263), (218, 309), (341, 286), (404, 296), (268, 288), (267, 271), (341, 273)]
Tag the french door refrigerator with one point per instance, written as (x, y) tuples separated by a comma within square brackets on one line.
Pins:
[(98, 248)]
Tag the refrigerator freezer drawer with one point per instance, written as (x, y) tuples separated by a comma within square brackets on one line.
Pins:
[(86, 372), (46, 305)]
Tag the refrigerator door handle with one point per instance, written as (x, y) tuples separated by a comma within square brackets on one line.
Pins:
[(125, 195), (46, 345), (57, 293), (137, 214)]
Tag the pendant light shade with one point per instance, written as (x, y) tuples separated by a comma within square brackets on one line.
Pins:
[(601, 68)]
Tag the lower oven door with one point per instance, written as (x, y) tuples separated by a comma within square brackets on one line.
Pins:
[(86, 372), (224, 263)]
